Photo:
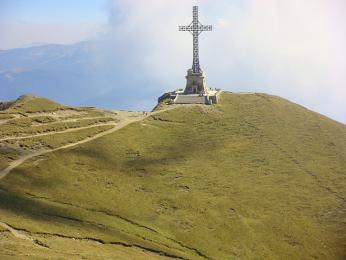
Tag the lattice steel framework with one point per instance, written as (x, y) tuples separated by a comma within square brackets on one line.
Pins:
[(195, 28)]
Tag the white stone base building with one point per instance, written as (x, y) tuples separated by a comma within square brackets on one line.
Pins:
[(195, 92)]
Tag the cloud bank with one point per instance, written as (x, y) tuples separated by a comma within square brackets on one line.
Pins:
[(294, 49), (23, 34)]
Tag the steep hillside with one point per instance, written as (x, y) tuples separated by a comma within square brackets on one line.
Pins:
[(255, 176)]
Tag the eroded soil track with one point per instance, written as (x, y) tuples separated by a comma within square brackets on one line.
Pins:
[(123, 120)]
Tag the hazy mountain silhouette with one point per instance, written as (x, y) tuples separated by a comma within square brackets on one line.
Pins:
[(72, 74)]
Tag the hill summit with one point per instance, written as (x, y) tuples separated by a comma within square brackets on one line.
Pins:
[(254, 176), (30, 104)]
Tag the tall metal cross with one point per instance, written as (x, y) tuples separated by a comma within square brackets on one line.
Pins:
[(195, 28)]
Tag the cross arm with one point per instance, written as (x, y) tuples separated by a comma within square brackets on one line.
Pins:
[(186, 28), (206, 27), (200, 28)]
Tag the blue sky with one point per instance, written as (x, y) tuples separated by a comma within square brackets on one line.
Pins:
[(53, 11), (27, 22), (294, 49)]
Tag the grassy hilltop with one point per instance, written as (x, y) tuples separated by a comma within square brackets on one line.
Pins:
[(253, 177)]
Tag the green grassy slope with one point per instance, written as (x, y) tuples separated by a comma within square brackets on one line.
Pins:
[(255, 176), (15, 248), (32, 104), (29, 117)]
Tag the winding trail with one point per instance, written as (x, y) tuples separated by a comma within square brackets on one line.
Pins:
[(124, 122), (55, 132), (125, 118), (72, 120)]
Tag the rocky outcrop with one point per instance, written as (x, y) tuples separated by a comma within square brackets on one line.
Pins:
[(5, 104)]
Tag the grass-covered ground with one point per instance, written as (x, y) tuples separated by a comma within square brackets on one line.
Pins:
[(24, 126), (32, 104), (7, 154), (254, 177), (15, 248), (5, 116), (34, 123), (58, 139)]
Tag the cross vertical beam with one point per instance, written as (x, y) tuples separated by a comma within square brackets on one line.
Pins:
[(195, 28), (195, 63)]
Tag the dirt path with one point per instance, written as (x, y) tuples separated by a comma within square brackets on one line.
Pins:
[(70, 120), (14, 232), (55, 132), (125, 118), (19, 234), (124, 122)]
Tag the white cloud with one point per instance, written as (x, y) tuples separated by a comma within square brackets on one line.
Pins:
[(222, 22), (16, 35), (294, 49)]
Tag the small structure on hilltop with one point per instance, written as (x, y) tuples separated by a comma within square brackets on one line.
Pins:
[(196, 90)]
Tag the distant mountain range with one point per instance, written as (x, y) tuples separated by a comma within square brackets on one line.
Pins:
[(72, 74)]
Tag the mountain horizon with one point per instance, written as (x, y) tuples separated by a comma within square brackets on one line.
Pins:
[(68, 74)]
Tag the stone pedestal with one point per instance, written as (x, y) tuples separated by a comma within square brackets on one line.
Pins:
[(196, 91), (195, 83)]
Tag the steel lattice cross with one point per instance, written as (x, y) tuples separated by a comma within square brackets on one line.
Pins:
[(195, 28)]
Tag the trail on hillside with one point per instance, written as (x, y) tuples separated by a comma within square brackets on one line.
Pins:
[(25, 235), (74, 120), (14, 232), (55, 132), (18, 234), (124, 118)]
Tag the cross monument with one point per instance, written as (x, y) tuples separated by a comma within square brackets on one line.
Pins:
[(195, 79)]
